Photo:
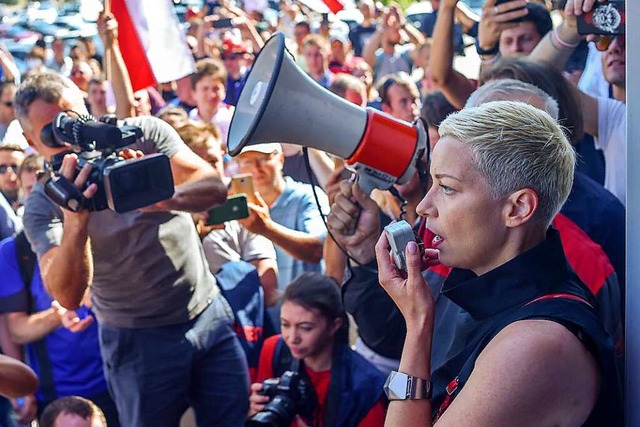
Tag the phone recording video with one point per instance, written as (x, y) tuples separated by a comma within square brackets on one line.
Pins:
[(606, 19), (243, 183), (222, 23), (234, 208)]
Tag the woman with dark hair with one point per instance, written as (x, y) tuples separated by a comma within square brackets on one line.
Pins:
[(347, 389)]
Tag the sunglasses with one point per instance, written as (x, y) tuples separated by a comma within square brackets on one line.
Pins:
[(7, 103), (604, 42), (5, 168)]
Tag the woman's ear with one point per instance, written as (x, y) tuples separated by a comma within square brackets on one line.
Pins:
[(336, 325), (522, 205)]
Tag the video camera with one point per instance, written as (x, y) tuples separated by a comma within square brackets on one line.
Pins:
[(123, 185), (290, 395)]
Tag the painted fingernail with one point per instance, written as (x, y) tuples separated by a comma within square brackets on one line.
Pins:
[(412, 247)]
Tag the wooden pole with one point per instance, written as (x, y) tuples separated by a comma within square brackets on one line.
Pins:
[(107, 51)]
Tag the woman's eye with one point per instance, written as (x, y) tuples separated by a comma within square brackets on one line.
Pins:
[(446, 190)]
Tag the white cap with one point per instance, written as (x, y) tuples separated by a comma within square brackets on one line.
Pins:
[(272, 147)]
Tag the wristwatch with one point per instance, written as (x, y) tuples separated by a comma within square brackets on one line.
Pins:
[(493, 51), (400, 386)]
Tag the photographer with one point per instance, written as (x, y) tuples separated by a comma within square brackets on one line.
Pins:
[(348, 389), (165, 330)]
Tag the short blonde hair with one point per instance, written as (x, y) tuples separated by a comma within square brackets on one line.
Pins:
[(516, 146)]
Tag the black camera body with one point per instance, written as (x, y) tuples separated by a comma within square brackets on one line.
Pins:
[(122, 185), (290, 395)]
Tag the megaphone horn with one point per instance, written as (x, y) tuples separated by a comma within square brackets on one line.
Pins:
[(281, 103)]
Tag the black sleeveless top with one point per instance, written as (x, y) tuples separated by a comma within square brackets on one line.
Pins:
[(511, 293)]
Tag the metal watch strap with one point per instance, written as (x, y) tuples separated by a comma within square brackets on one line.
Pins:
[(400, 386)]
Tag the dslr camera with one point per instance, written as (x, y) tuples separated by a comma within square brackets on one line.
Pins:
[(290, 395), (123, 185)]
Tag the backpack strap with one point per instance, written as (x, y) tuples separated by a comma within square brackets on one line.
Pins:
[(282, 358), (27, 263)]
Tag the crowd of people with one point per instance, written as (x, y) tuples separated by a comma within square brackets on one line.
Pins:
[(510, 310)]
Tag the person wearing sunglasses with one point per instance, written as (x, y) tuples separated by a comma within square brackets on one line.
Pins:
[(604, 118)]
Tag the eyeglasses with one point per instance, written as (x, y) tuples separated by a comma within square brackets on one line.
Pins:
[(604, 42), (7, 103), (5, 168), (259, 161)]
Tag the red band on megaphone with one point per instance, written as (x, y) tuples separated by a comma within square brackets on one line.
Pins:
[(387, 144)]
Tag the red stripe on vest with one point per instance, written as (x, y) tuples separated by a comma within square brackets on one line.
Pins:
[(586, 257)]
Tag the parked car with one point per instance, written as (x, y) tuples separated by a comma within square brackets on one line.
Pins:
[(18, 33)]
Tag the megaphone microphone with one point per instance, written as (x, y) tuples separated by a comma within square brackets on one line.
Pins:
[(281, 103)]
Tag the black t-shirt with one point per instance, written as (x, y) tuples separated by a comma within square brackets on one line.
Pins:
[(359, 36)]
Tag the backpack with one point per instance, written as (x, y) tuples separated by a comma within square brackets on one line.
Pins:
[(240, 284)]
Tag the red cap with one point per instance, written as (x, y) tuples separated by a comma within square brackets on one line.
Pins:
[(233, 45)]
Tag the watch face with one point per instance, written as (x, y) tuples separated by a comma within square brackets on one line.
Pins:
[(396, 386)]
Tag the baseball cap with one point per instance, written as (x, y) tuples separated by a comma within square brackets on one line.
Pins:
[(269, 148), (338, 36), (233, 45)]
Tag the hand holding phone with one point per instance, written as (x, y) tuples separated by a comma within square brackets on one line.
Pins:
[(222, 23), (606, 18), (243, 183), (234, 208)]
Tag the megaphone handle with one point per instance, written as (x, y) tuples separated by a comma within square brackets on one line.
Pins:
[(354, 225)]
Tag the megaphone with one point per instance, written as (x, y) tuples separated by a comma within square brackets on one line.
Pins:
[(281, 103)]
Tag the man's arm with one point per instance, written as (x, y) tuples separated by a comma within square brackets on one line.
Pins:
[(16, 378), (197, 185), (453, 84), (117, 72), (370, 48), (25, 328), (268, 272), (67, 269), (415, 36), (555, 49)]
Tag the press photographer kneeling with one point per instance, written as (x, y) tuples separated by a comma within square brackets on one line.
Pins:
[(165, 330), (320, 380)]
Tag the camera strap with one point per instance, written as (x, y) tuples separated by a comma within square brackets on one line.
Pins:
[(334, 394)]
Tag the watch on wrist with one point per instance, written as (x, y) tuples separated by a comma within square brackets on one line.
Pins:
[(400, 386), (493, 51)]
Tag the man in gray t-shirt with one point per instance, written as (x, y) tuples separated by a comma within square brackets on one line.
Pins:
[(165, 331)]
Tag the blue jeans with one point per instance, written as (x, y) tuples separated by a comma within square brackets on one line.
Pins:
[(154, 374)]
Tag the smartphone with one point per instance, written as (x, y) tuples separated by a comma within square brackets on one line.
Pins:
[(222, 23), (234, 208), (607, 19), (498, 2), (243, 183)]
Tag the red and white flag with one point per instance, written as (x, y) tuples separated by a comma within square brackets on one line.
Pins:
[(334, 6), (153, 47), (324, 6)]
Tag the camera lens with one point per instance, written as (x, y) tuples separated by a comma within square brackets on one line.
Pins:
[(279, 412)]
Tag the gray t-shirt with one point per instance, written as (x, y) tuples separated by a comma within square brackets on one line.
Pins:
[(149, 268), (235, 243)]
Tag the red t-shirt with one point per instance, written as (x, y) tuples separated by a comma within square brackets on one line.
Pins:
[(320, 381)]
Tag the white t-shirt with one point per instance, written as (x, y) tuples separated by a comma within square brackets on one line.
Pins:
[(612, 140), (222, 119), (234, 243), (592, 81)]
